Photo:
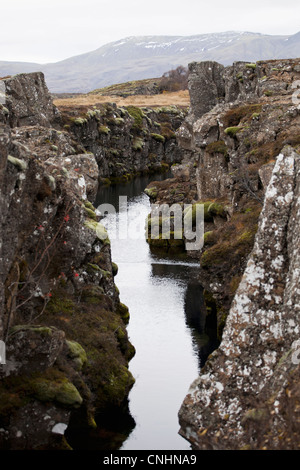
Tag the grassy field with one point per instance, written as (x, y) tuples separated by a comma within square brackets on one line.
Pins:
[(179, 98)]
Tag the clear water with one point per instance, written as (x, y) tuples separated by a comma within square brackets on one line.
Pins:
[(166, 322)]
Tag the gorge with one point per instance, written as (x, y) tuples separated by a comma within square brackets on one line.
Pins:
[(234, 152), (160, 294)]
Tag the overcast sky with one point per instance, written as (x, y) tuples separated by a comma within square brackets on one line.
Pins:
[(51, 30)]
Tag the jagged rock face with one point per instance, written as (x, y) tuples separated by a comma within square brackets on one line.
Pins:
[(262, 323), (206, 86), (228, 157), (224, 138), (242, 156), (126, 141), (60, 313), (210, 83), (28, 101), (32, 349), (34, 189)]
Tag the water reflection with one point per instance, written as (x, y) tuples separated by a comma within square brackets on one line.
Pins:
[(169, 327), (113, 428), (110, 193), (203, 324)]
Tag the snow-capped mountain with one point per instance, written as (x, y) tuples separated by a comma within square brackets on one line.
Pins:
[(140, 57)]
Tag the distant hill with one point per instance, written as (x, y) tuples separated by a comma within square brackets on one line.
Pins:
[(141, 57)]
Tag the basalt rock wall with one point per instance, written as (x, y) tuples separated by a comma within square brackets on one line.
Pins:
[(61, 318), (242, 160), (240, 119), (126, 141), (256, 354)]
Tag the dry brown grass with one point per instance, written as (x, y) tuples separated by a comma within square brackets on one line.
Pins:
[(178, 98)]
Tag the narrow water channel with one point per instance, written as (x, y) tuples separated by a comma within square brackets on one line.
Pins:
[(167, 323)]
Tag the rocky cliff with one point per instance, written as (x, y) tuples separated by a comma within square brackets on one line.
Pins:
[(239, 120), (64, 327), (258, 355), (126, 141), (61, 318), (241, 141)]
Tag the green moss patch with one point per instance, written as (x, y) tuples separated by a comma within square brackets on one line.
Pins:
[(209, 238), (21, 165), (232, 131), (92, 294), (62, 391), (137, 144), (158, 137), (97, 337), (115, 269), (80, 121), (99, 228), (216, 209), (105, 130), (49, 386), (151, 192), (138, 116), (251, 66), (233, 241), (77, 354), (117, 121), (190, 213), (60, 304), (90, 213), (123, 311)]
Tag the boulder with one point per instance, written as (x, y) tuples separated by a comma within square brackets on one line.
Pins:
[(206, 86), (31, 349), (28, 100)]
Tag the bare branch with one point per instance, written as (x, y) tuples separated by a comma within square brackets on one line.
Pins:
[(30, 281)]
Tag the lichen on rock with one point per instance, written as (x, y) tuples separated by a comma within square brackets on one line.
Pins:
[(258, 329), (62, 320)]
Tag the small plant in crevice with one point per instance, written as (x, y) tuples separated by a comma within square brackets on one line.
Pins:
[(29, 282)]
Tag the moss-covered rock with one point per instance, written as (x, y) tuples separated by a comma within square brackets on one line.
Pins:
[(123, 311), (158, 137), (119, 383), (99, 228), (105, 130), (251, 66), (115, 269), (76, 353), (62, 392), (92, 294), (137, 144), (43, 331), (21, 165), (89, 205), (216, 208), (151, 192), (190, 213), (90, 213), (80, 121), (117, 121), (176, 239), (137, 115), (209, 238), (60, 304), (232, 131)]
